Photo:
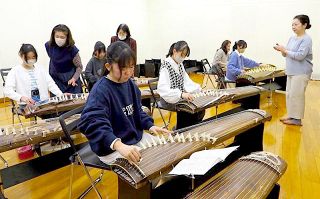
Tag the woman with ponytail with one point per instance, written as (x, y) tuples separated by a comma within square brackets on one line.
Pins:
[(238, 62)]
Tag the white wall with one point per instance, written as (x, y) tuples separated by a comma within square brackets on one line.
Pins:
[(205, 24), (89, 20), (156, 24)]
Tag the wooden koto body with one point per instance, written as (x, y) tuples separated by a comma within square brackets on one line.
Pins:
[(14, 136), (259, 74), (210, 98), (146, 93), (160, 154), (252, 176), (65, 103), (142, 82), (56, 105)]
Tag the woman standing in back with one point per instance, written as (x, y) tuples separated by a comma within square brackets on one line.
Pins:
[(123, 34), (65, 63)]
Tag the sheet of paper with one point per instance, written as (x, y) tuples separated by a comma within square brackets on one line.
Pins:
[(193, 166), (214, 153), (201, 162)]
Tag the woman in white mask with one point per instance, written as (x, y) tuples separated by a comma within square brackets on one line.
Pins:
[(175, 84), (123, 34), (27, 82), (65, 63)]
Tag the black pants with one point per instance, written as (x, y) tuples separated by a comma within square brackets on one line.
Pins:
[(185, 119)]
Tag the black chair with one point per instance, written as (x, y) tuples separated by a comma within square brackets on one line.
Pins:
[(85, 157), (4, 73), (84, 82), (186, 63), (149, 69), (153, 85), (157, 64), (137, 70), (142, 69), (221, 77), (199, 65), (192, 63), (207, 72)]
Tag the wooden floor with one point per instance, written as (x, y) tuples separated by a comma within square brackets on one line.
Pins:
[(299, 146)]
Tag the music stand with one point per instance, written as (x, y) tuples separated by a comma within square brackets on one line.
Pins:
[(271, 86)]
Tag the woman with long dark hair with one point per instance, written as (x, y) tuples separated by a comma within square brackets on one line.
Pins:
[(222, 55)]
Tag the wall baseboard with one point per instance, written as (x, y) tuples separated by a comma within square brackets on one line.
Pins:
[(315, 76)]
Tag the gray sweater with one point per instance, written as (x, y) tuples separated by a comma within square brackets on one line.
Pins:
[(299, 55), (95, 69), (221, 56)]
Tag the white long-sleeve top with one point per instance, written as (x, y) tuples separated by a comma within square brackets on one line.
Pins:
[(18, 83), (174, 95)]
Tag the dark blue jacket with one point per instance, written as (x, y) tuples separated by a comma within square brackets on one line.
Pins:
[(113, 110)]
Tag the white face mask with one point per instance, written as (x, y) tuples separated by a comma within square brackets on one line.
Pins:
[(179, 59), (122, 37), (31, 62), (60, 42)]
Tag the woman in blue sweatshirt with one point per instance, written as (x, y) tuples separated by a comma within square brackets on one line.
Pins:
[(112, 118), (237, 61)]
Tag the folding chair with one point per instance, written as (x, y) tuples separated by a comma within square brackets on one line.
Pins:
[(153, 85), (85, 156), (85, 84), (207, 72), (4, 73), (221, 77)]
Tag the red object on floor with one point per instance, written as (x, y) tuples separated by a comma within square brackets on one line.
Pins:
[(25, 152)]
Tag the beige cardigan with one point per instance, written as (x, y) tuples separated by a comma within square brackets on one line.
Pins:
[(221, 58)]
